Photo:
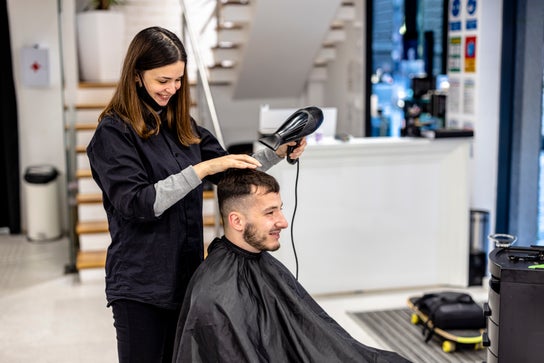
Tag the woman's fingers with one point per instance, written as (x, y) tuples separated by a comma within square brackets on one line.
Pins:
[(241, 161), (296, 153), (220, 164)]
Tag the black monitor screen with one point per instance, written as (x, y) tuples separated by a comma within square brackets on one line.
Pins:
[(422, 85)]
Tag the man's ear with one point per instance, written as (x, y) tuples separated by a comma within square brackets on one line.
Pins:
[(236, 221)]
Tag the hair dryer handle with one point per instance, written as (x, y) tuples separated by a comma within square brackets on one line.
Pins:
[(290, 150)]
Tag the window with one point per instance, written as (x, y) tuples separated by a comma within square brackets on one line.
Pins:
[(407, 61)]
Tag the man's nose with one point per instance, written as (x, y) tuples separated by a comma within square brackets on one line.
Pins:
[(282, 223)]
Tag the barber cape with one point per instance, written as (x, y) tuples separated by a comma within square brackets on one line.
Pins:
[(247, 307)]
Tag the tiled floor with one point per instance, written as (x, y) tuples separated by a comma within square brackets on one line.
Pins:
[(47, 316)]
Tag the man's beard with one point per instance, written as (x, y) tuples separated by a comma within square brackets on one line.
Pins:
[(256, 241)]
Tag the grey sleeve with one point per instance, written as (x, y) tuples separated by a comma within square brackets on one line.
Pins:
[(267, 157), (170, 190)]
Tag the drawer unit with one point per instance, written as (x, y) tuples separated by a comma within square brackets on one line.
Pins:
[(515, 317)]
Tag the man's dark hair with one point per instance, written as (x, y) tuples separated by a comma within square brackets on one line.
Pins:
[(240, 183)]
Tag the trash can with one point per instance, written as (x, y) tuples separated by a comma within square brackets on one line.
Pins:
[(42, 203), (479, 231)]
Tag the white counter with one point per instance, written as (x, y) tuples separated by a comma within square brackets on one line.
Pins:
[(378, 213)]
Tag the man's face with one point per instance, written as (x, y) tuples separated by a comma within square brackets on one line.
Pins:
[(264, 221)]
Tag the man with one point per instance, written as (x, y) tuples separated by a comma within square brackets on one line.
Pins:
[(243, 305)]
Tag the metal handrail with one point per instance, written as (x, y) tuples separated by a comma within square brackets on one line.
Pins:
[(203, 75), (202, 72)]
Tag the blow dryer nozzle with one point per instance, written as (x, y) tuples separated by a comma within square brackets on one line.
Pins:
[(301, 123), (272, 141)]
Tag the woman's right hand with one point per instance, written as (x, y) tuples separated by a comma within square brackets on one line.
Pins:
[(220, 164)]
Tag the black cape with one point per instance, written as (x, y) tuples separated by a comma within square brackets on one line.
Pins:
[(247, 307)]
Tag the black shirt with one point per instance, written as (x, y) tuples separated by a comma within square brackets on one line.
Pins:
[(150, 259)]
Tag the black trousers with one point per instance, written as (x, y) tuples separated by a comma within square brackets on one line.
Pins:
[(145, 333)]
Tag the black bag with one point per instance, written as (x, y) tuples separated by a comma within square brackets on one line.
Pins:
[(450, 310)]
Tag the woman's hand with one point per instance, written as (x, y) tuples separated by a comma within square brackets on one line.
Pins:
[(220, 164), (282, 150)]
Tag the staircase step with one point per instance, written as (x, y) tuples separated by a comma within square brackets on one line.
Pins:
[(94, 241), (84, 173), (226, 51), (91, 212), (102, 226), (236, 11), (89, 198), (92, 227), (94, 85), (85, 126), (89, 97), (82, 160), (336, 34), (346, 11), (209, 221), (208, 194), (90, 259), (97, 197), (222, 72), (87, 185), (231, 32), (326, 53), (80, 149), (90, 106)]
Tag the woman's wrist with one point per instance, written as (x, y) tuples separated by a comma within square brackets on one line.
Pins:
[(201, 170)]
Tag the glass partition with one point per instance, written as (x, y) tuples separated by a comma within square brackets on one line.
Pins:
[(407, 80)]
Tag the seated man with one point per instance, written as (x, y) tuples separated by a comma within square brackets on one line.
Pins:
[(243, 305)]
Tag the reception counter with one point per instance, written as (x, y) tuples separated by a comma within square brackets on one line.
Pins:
[(378, 213)]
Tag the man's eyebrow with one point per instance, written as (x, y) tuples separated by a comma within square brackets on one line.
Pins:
[(269, 209)]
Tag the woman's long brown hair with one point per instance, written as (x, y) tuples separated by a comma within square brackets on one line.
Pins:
[(151, 48)]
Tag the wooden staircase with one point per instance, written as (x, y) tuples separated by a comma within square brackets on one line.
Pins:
[(91, 226)]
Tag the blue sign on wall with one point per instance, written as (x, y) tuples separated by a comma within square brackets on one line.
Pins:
[(471, 6), (472, 24), (455, 8)]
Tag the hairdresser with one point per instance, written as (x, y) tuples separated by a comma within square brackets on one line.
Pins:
[(149, 158)]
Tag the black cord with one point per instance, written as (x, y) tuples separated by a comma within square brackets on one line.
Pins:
[(293, 219)]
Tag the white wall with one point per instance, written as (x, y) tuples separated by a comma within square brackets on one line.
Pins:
[(40, 110)]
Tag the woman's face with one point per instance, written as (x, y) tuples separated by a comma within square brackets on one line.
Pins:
[(163, 82)]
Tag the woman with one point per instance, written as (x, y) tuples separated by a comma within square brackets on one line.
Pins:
[(149, 158)]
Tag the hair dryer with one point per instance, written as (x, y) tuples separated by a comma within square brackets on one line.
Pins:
[(301, 123)]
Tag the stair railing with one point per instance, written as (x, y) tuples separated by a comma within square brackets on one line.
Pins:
[(202, 74), (204, 87)]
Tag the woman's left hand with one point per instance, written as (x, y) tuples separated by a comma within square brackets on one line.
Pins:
[(282, 150)]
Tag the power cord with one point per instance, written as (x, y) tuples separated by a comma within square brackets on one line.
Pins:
[(297, 162)]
